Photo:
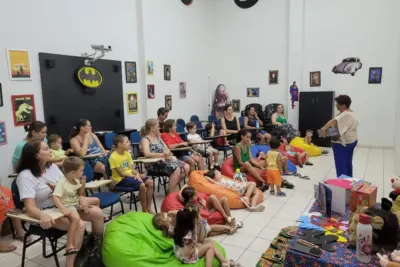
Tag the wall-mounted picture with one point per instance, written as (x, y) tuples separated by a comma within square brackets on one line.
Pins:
[(1, 96), (315, 78), (348, 65), (182, 90), (24, 111), (167, 72), (168, 102), (3, 133), (149, 68), (18, 65), (273, 76), (375, 75), (130, 72), (151, 94), (253, 92), (133, 103), (236, 105)]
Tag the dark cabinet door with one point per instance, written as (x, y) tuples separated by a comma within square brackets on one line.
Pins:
[(324, 102), (306, 111)]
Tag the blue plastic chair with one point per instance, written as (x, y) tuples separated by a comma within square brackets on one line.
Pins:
[(135, 142), (194, 118), (212, 118), (109, 140), (241, 121), (180, 122), (107, 199)]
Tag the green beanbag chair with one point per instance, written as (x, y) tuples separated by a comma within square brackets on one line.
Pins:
[(132, 240)]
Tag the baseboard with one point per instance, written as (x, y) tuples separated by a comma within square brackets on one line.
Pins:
[(376, 147)]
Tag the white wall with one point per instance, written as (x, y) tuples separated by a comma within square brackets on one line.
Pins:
[(59, 27)]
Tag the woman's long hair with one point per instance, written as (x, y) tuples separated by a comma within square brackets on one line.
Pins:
[(185, 222), (29, 159), (241, 133), (35, 126), (77, 128)]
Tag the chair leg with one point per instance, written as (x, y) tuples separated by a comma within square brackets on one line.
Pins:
[(155, 204), (24, 249), (134, 200), (111, 211), (165, 185), (159, 181), (122, 207), (53, 248), (12, 227)]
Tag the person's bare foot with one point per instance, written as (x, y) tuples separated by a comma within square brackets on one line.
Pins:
[(6, 247)]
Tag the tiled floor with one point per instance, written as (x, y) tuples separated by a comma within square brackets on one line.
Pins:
[(247, 245)]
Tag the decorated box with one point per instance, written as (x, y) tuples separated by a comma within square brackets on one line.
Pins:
[(364, 195)]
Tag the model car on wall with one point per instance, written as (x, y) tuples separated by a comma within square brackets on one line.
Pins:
[(349, 65)]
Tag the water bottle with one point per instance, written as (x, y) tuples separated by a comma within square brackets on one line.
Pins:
[(364, 239), (257, 124), (237, 176)]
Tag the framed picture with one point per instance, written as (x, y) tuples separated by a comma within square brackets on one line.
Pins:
[(19, 68), (315, 78), (168, 102), (375, 75), (273, 76), (24, 111), (167, 72), (150, 91), (182, 90), (3, 133), (132, 103), (1, 96), (130, 72), (253, 92), (149, 68), (236, 105)]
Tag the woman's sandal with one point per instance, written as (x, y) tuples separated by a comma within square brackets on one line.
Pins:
[(239, 224), (258, 208), (6, 248), (245, 203), (71, 251)]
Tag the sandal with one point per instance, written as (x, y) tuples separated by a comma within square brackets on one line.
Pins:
[(239, 224), (281, 194), (245, 203), (258, 208), (6, 248), (233, 263), (71, 251), (324, 152), (286, 184), (308, 163), (272, 192), (233, 230)]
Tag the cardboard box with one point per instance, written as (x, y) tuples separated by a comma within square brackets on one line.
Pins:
[(363, 195), (341, 190)]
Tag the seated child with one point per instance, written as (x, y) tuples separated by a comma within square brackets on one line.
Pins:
[(68, 198), (188, 196), (247, 190), (57, 153), (274, 168), (302, 158), (188, 249), (124, 174), (204, 149), (210, 129), (308, 140)]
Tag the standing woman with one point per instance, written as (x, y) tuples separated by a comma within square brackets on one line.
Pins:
[(278, 119), (84, 143), (36, 130), (250, 122), (347, 125)]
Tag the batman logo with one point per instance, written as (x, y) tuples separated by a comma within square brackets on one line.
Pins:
[(90, 77)]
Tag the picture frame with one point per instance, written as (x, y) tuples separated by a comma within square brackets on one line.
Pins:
[(149, 68), (132, 102), (236, 105), (151, 94), (1, 96), (375, 75), (253, 92), (19, 68), (167, 72), (182, 90), (24, 110), (315, 78), (130, 72), (3, 133), (168, 102), (273, 76)]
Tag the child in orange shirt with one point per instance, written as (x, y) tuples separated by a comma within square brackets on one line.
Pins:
[(274, 168)]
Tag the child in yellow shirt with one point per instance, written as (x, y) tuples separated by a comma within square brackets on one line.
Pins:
[(274, 168), (57, 153), (124, 174)]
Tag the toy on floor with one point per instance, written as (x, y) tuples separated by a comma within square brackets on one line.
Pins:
[(394, 260), (394, 195)]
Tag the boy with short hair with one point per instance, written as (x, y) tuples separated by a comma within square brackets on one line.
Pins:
[(274, 168)]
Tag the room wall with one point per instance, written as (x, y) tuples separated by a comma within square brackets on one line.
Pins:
[(176, 35), (68, 28)]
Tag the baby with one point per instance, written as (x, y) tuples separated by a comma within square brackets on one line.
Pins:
[(57, 153)]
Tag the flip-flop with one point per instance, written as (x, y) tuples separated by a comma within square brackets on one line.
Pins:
[(246, 199), (239, 224), (6, 248), (233, 230), (233, 263), (245, 203), (71, 251), (308, 163), (258, 208)]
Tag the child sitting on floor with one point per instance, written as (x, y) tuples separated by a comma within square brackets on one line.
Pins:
[(302, 158), (57, 153), (274, 168), (68, 198), (204, 149), (308, 140), (247, 190)]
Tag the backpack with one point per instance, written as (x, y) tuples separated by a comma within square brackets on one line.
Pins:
[(90, 253)]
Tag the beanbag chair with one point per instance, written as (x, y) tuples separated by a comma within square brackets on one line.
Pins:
[(228, 171), (290, 157), (132, 240), (197, 180), (312, 150), (264, 148), (172, 202)]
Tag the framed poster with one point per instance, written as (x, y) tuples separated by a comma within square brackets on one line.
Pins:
[(236, 105), (168, 102), (182, 90), (253, 92), (24, 111), (130, 72), (132, 103), (149, 68), (1, 96), (19, 67), (167, 72), (375, 75), (3, 133), (315, 78), (273, 76), (150, 91)]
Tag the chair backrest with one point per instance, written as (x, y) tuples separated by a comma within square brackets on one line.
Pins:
[(184, 137), (180, 128), (135, 137), (109, 140), (269, 110), (180, 122), (198, 125), (212, 117), (15, 194), (194, 118), (88, 172), (241, 120), (107, 165), (218, 122), (258, 108)]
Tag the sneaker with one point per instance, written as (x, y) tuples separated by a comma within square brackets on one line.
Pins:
[(272, 192), (286, 184), (281, 194)]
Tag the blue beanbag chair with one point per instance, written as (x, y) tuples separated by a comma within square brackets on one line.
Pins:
[(264, 148)]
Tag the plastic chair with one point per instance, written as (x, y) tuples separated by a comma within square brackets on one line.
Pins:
[(194, 118), (212, 118), (180, 122), (241, 121), (180, 128), (135, 142), (109, 140)]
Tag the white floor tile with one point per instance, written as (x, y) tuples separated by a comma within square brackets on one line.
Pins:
[(240, 240), (278, 223), (259, 245), (269, 233), (10, 260), (250, 258), (233, 252), (291, 211)]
